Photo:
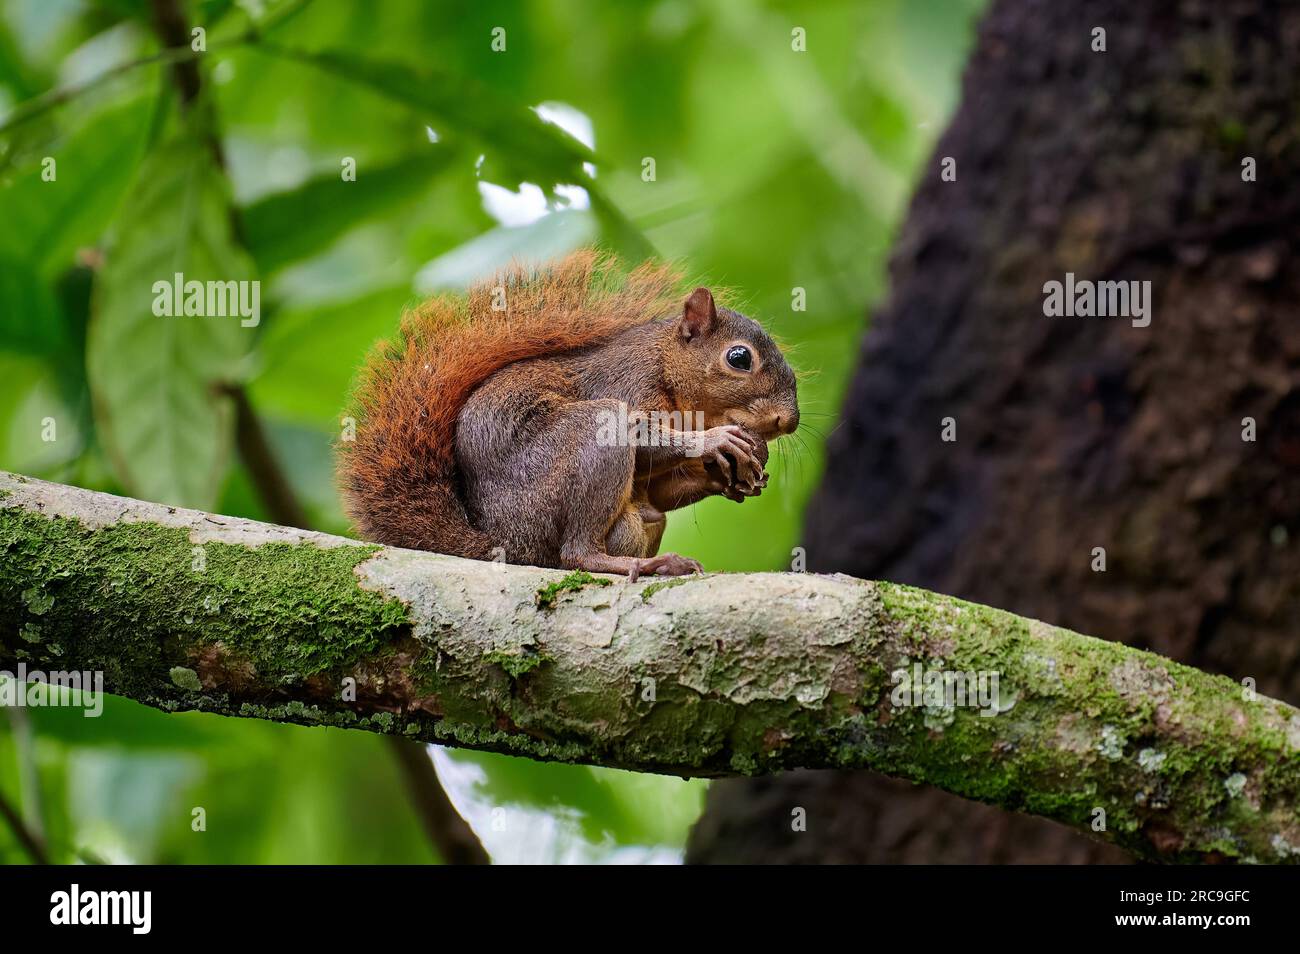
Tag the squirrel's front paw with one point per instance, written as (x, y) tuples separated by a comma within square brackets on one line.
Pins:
[(739, 475), (730, 449)]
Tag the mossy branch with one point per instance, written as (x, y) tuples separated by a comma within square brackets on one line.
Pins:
[(715, 675)]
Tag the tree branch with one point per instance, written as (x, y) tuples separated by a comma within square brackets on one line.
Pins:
[(705, 676)]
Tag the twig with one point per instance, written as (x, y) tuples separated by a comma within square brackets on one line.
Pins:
[(450, 834), (269, 480), (29, 109), (33, 845), (29, 778)]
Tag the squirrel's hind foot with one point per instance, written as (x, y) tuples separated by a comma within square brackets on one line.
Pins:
[(665, 564)]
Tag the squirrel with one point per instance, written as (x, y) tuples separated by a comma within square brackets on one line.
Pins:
[(525, 421)]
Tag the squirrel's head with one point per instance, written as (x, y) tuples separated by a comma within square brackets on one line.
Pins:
[(731, 370)]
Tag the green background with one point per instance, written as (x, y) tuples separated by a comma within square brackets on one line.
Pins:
[(774, 170)]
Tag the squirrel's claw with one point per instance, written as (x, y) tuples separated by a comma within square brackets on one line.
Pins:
[(739, 491)]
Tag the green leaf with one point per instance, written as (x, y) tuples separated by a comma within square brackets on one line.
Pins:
[(30, 318), (156, 379), (526, 147), (287, 226), (293, 795), (310, 354), (551, 236), (519, 145), (46, 222), (126, 724), (621, 233), (15, 72)]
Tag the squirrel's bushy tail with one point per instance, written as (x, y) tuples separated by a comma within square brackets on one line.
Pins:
[(399, 477)]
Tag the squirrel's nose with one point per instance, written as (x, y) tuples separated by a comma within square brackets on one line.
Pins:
[(785, 422)]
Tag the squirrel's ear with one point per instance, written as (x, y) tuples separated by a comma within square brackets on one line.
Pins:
[(699, 316)]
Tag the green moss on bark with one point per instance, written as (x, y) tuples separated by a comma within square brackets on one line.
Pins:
[(289, 611), (548, 594)]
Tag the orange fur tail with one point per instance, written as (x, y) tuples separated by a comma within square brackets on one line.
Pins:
[(399, 476)]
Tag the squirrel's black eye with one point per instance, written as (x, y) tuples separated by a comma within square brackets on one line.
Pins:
[(738, 357)]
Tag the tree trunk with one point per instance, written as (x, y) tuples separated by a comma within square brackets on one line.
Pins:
[(1076, 433)]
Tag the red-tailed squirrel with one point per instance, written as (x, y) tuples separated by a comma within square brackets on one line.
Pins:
[(553, 416)]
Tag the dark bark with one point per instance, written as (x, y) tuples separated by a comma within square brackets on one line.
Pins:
[(1075, 433)]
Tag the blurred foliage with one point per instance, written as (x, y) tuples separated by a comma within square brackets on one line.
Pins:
[(775, 169)]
